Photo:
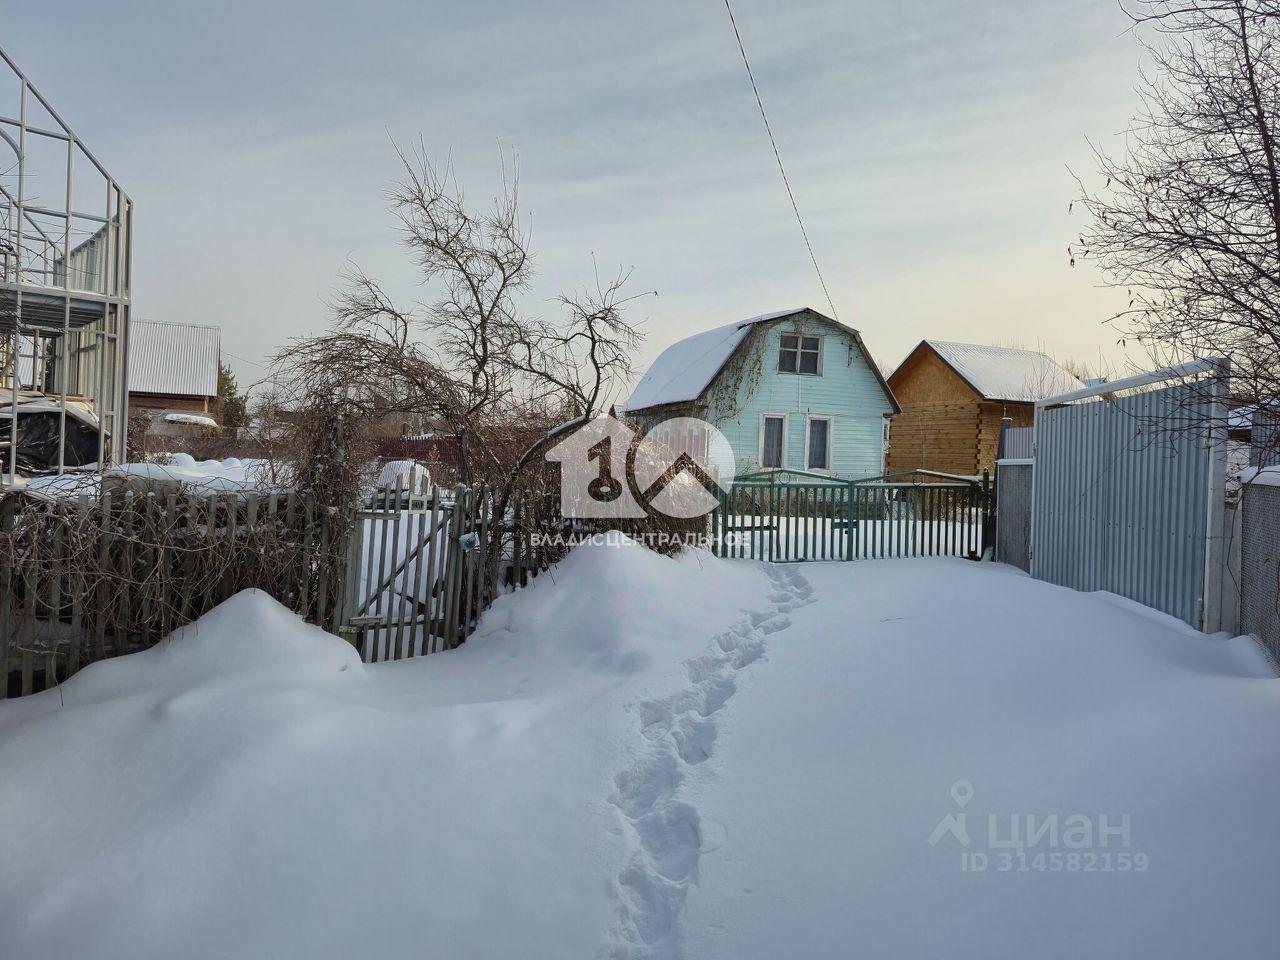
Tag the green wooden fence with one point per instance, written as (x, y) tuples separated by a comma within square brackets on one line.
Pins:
[(786, 516)]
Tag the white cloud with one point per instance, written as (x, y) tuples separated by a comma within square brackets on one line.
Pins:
[(927, 144)]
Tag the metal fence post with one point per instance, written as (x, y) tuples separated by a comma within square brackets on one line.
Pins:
[(849, 521)]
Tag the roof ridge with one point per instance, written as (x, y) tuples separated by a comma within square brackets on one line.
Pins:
[(177, 323), (988, 346), (1013, 374)]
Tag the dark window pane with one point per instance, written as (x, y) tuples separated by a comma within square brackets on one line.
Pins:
[(809, 343), (789, 341), (772, 453), (787, 361), (808, 363), (819, 435)]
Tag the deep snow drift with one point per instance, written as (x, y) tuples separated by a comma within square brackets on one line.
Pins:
[(644, 757), (250, 789)]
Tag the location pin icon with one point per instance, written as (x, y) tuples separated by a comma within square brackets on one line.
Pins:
[(962, 792)]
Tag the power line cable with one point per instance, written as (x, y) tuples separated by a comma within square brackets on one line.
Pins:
[(253, 363), (778, 156)]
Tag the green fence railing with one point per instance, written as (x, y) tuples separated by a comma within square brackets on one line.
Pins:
[(789, 516)]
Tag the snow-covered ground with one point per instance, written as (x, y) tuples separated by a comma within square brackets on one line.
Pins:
[(911, 691), (645, 757)]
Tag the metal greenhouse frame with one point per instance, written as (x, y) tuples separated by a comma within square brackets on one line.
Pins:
[(66, 230)]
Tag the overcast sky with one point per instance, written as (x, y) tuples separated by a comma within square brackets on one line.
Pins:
[(928, 144)]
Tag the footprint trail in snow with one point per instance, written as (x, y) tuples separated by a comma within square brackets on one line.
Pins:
[(680, 733)]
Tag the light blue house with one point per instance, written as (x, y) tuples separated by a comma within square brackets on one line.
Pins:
[(789, 390)]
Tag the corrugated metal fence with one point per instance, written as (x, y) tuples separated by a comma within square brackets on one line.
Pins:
[(1265, 449), (1013, 513), (1260, 566), (1019, 443), (1128, 496)]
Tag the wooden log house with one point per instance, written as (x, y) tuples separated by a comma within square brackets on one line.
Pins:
[(953, 397)]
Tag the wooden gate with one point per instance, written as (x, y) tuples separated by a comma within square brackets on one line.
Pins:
[(418, 573), (785, 516)]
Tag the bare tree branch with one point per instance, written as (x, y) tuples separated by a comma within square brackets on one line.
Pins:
[(468, 359), (1187, 219)]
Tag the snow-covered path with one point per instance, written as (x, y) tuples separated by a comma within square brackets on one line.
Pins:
[(907, 687), (681, 732), (639, 757)]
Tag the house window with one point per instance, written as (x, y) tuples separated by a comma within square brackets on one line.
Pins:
[(772, 435), (800, 354), (819, 444)]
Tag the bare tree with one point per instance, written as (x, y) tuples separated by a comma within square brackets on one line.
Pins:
[(576, 363), (504, 383), (1187, 218)]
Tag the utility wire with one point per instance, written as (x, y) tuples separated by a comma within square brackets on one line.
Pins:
[(778, 156), (252, 363)]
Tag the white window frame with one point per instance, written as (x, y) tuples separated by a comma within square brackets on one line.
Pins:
[(760, 451), (821, 338), (831, 432)]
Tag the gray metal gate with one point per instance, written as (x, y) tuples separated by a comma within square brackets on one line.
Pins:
[(1128, 491), (1013, 512)]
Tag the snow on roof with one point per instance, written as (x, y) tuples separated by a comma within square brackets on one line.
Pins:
[(1006, 373), (1254, 415), (192, 419), (80, 410), (200, 476), (412, 476), (174, 358), (687, 367), (1261, 476)]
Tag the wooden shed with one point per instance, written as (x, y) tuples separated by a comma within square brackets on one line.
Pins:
[(953, 397), (173, 367)]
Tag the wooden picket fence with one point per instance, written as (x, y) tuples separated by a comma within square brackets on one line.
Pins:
[(419, 572), (95, 577), (424, 567), (402, 575), (531, 530)]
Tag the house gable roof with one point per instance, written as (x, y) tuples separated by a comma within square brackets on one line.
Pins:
[(683, 371), (174, 358), (999, 373)]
